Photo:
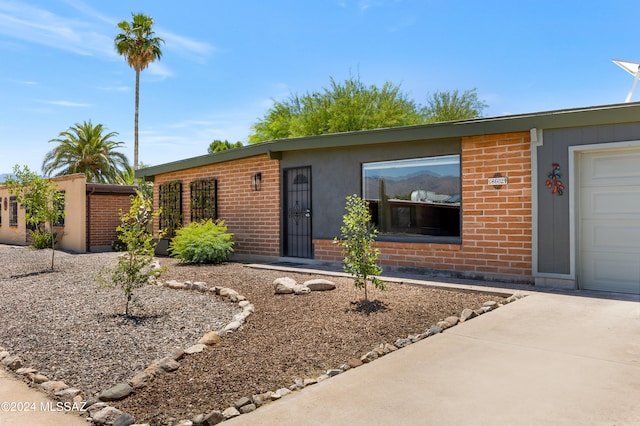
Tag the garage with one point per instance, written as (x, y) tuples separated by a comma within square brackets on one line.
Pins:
[(608, 219)]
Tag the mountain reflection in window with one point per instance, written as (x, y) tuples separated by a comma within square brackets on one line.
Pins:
[(414, 197)]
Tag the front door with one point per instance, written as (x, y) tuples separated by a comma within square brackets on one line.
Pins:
[(297, 212)]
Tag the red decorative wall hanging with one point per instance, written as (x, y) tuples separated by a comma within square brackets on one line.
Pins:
[(553, 180)]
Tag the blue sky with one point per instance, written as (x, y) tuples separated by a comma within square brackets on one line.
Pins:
[(224, 62)]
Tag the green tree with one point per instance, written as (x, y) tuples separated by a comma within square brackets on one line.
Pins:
[(41, 199), (140, 47), (448, 106), (84, 149), (134, 268), (357, 237), (218, 145), (342, 107)]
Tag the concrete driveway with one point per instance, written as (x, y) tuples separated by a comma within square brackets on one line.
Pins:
[(547, 359)]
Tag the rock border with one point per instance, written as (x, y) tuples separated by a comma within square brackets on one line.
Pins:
[(99, 412)]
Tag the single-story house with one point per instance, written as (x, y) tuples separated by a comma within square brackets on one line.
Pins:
[(90, 220), (549, 198)]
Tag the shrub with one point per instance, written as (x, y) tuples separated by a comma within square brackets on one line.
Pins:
[(41, 239), (358, 236), (202, 242)]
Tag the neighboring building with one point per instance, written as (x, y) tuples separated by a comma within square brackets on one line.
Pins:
[(91, 215), (550, 198)]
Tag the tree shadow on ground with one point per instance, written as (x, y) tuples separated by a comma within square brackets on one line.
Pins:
[(32, 274), (130, 319), (367, 307)]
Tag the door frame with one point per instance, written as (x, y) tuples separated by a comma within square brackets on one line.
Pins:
[(308, 243), (575, 154)]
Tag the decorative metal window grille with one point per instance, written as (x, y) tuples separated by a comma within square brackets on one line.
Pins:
[(13, 211), (60, 208), (170, 200), (204, 199)]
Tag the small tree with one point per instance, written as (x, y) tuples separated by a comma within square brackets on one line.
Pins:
[(134, 269), (43, 203), (358, 235)]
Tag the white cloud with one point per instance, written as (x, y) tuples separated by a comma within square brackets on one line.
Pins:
[(68, 104), (183, 44), (35, 25)]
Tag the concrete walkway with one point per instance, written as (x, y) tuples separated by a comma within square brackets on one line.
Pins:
[(547, 359), (21, 405)]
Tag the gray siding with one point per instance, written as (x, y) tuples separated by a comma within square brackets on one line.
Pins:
[(336, 173), (553, 211)]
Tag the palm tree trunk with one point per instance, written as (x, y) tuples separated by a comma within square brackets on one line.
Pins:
[(135, 129)]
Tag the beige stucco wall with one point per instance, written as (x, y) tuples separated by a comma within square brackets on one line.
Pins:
[(72, 236)]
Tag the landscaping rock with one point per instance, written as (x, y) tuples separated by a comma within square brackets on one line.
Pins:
[(230, 413), (38, 378), (334, 372), (115, 393), (54, 386), (309, 382), (123, 419), (433, 330), (175, 285), (140, 380), (210, 339), (300, 289), (12, 362), (231, 327), (401, 343), (199, 347), (354, 362), (369, 356), (169, 364), (26, 371), (261, 399), (106, 416), (284, 285), (452, 320), (242, 401), (227, 293), (213, 418), (247, 408), (3, 355), (467, 314), (491, 304), (68, 393), (320, 285), (281, 392)]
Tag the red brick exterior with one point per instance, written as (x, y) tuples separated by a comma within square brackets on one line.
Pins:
[(496, 223), (252, 216), (103, 216)]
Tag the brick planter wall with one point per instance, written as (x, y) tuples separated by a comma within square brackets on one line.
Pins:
[(104, 218), (496, 223)]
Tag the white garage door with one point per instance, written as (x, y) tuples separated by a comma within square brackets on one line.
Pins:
[(609, 220)]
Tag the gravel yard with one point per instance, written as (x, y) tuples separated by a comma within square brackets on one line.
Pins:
[(62, 324)]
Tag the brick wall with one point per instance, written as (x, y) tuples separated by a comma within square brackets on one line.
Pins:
[(104, 217), (252, 216), (496, 223)]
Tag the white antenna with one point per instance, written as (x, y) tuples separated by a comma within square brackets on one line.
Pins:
[(632, 68)]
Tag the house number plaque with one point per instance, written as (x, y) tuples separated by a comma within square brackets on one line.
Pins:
[(497, 181)]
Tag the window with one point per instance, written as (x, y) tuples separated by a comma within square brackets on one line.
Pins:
[(60, 208), (415, 197), (13, 211), (170, 200), (204, 199)]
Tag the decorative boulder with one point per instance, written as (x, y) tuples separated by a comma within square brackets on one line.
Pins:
[(320, 285), (284, 285)]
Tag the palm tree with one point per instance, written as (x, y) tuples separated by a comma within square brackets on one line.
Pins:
[(84, 149), (138, 44)]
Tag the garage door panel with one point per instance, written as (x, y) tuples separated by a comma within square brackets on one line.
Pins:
[(612, 272), (617, 202), (611, 168), (621, 236)]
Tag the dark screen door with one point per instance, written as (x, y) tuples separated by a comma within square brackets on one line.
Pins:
[(297, 212)]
